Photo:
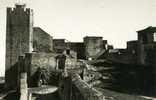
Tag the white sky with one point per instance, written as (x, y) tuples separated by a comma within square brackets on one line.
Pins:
[(116, 20)]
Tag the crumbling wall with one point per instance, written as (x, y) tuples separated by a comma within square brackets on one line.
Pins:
[(93, 45), (78, 47), (42, 41), (121, 56), (73, 88), (59, 45), (70, 63), (34, 61)]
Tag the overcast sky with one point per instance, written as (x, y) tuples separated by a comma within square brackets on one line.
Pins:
[(115, 20)]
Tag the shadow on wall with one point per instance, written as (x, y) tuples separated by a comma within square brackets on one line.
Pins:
[(11, 77), (133, 79), (12, 96), (44, 77)]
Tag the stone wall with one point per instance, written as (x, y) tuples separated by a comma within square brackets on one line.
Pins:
[(70, 63), (147, 35), (59, 45), (18, 38), (93, 45), (146, 39), (50, 62), (121, 56), (74, 88), (78, 47), (90, 75), (42, 41), (34, 61)]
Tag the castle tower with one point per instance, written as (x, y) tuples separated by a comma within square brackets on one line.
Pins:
[(19, 35), (93, 46)]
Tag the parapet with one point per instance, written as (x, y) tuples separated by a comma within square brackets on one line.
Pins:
[(88, 92), (19, 7)]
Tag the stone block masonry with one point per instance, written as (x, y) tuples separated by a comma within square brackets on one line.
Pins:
[(19, 35)]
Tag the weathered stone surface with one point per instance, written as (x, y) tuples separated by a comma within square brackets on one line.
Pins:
[(59, 45), (18, 38), (42, 41), (93, 45), (70, 63), (78, 47), (73, 87), (46, 61)]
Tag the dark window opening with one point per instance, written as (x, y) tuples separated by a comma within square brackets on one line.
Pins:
[(68, 52)]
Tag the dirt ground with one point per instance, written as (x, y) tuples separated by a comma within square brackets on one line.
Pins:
[(111, 95)]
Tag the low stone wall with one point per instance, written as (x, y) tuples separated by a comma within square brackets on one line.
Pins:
[(74, 88), (88, 92)]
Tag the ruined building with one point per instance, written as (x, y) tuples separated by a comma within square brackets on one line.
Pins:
[(143, 49), (138, 52), (90, 48), (93, 46), (59, 45), (21, 38), (42, 41), (75, 67), (78, 47), (147, 45)]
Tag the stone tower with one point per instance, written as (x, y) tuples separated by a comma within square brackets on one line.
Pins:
[(19, 35), (93, 46)]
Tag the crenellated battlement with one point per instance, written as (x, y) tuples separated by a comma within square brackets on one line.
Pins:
[(19, 8), (10, 10)]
